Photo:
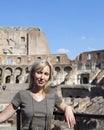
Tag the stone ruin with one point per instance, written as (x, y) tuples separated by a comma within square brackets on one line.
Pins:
[(80, 82)]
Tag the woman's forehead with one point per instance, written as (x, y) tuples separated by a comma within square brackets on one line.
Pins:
[(43, 67)]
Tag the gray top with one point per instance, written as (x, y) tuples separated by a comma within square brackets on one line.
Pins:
[(39, 113)]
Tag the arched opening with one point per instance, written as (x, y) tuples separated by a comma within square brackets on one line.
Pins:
[(26, 75), (85, 80), (57, 69), (18, 72), (0, 76), (67, 69), (17, 79), (58, 59), (8, 73), (7, 79)]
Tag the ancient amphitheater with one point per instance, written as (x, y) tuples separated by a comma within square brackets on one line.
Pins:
[(80, 82)]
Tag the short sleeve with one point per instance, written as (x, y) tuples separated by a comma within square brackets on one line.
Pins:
[(16, 101)]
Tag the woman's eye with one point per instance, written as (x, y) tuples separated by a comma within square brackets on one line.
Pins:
[(39, 72), (46, 74)]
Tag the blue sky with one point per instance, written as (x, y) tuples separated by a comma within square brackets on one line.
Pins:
[(70, 26)]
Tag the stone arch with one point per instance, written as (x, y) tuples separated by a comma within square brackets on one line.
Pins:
[(58, 75), (7, 74), (66, 74), (1, 75), (26, 75), (57, 69), (85, 78), (67, 69), (18, 72)]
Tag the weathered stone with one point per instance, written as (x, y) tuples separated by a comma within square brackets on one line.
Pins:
[(80, 82)]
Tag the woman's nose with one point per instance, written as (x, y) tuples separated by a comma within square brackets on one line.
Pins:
[(42, 76)]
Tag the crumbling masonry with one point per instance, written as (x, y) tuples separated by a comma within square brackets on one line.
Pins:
[(80, 80)]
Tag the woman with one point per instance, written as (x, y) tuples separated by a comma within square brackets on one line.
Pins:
[(37, 103)]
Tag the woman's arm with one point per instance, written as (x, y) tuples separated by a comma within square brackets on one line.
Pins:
[(69, 115), (7, 113)]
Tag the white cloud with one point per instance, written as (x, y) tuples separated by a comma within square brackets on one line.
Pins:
[(62, 50)]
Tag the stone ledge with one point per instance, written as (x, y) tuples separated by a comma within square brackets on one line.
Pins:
[(2, 125)]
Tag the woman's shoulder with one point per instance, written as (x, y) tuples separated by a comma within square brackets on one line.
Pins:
[(23, 92)]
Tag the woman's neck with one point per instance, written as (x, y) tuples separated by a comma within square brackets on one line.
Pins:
[(37, 90), (38, 95)]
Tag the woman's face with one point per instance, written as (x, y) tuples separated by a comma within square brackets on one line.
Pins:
[(41, 76)]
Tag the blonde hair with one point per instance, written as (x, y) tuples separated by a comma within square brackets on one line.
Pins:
[(40, 64)]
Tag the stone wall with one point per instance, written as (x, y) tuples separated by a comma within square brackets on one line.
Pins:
[(83, 98), (23, 41), (82, 79)]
